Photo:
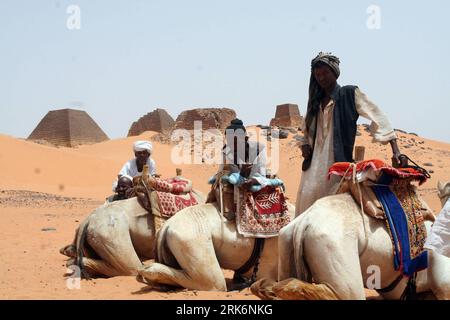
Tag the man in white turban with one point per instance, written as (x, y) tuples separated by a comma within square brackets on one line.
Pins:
[(142, 151)]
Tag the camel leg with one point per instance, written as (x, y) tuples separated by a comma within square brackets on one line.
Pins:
[(263, 289), (161, 274), (294, 289), (286, 262), (109, 236), (439, 275), (93, 267), (70, 251), (337, 272), (99, 267), (200, 269)]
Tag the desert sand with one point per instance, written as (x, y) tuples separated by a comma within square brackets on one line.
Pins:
[(46, 191)]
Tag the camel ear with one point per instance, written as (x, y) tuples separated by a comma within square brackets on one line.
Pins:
[(440, 187)]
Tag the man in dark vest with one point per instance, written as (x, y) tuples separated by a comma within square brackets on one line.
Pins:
[(330, 129)]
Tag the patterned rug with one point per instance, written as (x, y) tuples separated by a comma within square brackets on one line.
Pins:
[(379, 167), (262, 214), (167, 204), (174, 185), (405, 223)]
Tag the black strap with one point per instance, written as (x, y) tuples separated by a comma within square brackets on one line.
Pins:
[(392, 286), (415, 166), (410, 292), (254, 257)]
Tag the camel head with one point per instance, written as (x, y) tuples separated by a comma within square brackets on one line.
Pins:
[(443, 191)]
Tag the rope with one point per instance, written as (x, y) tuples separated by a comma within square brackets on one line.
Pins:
[(221, 196), (354, 180)]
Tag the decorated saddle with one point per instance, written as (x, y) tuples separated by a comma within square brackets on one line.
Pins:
[(388, 193), (260, 211), (164, 197), (170, 196)]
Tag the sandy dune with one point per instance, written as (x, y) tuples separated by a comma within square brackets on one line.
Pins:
[(67, 184)]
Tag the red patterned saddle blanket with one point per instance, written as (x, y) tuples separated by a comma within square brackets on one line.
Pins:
[(262, 214), (164, 197), (165, 204), (175, 185), (375, 167)]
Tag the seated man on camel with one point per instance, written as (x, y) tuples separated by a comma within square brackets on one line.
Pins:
[(124, 189), (247, 157), (243, 192), (134, 167), (239, 156)]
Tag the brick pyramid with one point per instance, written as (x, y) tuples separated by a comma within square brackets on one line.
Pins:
[(211, 118), (287, 115), (158, 120), (68, 128)]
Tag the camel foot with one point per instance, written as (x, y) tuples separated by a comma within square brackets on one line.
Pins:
[(263, 289), (294, 289), (154, 286)]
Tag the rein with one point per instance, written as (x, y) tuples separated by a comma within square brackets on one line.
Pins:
[(253, 261), (415, 166)]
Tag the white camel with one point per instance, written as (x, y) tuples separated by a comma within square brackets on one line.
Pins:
[(115, 238), (334, 252), (443, 192), (196, 244)]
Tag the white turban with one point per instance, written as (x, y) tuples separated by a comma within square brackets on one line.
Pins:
[(127, 176), (142, 145)]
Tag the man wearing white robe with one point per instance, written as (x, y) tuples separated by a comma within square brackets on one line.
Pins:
[(133, 168), (243, 154), (438, 239), (314, 181)]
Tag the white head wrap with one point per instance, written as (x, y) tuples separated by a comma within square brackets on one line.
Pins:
[(128, 177), (142, 145)]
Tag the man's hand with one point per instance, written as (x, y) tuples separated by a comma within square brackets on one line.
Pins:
[(249, 183), (246, 169), (306, 151), (397, 160)]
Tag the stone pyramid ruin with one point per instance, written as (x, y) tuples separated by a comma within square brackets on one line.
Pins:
[(158, 120), (287, 115), (211, 118), (68, 128)]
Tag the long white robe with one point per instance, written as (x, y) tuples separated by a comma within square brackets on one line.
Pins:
[(130, 168), (314, 182), (439, 238)]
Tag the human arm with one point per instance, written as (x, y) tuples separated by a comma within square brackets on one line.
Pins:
[(380, 127)]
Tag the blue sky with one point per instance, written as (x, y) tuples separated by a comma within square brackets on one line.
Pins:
[(130, 57)]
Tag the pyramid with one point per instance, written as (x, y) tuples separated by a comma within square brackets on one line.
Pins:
[(158, 120), (68, 128), (287, 115), (211, 118)]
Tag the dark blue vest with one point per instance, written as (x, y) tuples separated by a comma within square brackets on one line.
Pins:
[(345, 117)]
